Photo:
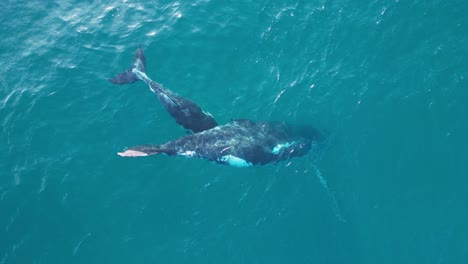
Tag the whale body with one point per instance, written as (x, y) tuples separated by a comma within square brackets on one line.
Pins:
[(240, 143), (184, 111)]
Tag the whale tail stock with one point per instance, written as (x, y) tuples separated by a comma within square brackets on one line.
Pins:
[(141, 151), (138, 63)]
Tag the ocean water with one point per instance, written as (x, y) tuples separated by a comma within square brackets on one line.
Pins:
[(386, 81)]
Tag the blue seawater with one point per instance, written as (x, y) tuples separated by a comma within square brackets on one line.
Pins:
[(386, 81)]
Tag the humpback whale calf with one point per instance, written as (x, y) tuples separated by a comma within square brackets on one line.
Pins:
[(185, 112), (240, 143)]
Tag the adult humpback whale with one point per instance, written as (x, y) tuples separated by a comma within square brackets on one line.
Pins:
[(239, 143)]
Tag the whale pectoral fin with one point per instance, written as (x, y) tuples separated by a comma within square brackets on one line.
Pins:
[(141, 151), (131, 153)]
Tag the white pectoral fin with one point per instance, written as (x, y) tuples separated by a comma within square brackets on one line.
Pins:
[(141, 151), (132, 153)]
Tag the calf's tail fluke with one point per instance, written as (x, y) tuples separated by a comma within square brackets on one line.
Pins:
[(138, 63)]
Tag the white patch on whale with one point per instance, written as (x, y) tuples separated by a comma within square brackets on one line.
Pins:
[(276, 150), (207, 113), (188, 153), (235, 161), (186, 112), (167, 99)]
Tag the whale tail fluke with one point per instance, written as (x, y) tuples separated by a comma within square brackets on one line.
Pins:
[(141, 151), (138, 62)]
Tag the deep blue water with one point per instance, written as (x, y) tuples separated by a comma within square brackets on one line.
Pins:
[(386, 81)]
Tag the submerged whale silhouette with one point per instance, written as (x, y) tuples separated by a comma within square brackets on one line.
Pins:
[(240, 143)]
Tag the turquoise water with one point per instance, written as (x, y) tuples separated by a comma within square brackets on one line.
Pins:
[(385, 80)]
